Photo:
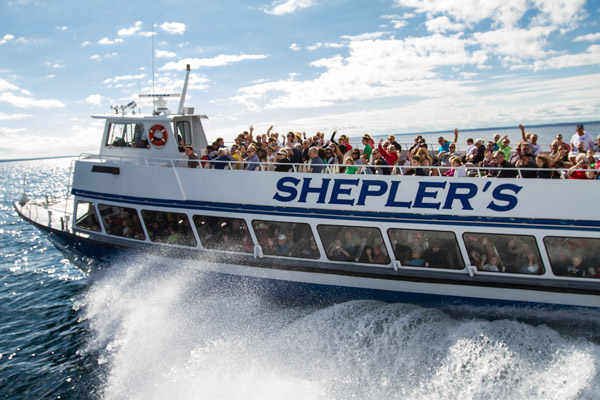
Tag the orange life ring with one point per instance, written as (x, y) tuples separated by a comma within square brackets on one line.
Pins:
[(158, 135)]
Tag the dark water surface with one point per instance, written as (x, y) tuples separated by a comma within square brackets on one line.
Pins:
[(146, 330)]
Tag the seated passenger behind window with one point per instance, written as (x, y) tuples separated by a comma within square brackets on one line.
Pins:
[(338, 253), (415, 258), (531, 265), (282, 246), (435, 257), (493, 265)]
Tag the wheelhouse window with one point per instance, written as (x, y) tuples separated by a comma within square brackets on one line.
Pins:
[(433, 249), (168, 227), (121, 221), (127, 134), (504, 253), (574, 257), (286, 239), (220, 233), (183, 132), (353, 244), (86, 217)]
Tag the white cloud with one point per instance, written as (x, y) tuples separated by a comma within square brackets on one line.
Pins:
[(365, 36), (314, 46), (217, 61), (6, 38), (289, 6), (130, 31), (590, 37), (590, 57), (27, 102), (121, 78), (374, 69), (504, 13), (515, 44), (107, 41), (165, 54), (173, 27), (5, 85), (13, 116), (294, 47), (50, 76), (61, 28), (85, 44), (97, 57), (442, 24), (95, 99)]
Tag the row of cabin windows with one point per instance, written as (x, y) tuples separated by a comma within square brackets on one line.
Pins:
[(132, 134), (578, 257)]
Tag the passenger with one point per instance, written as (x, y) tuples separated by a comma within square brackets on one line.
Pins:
[(415, 162), (554, 149), (189, 152), (174, 236), (495, 140), (390, 155), (458, 170), (355, 153), (487, 162), (444, 157), (350, 167), (507, 169), (338, 253), (580, 136), (427, 161), (316, 163), (416, 259), (559, 138), (575, 172), (383, 166), (367, 147), (206, 157), (330, 157), (470, 148), (435, 257), (591, 159), (397, 146), (532, 265), (351, 242), (576, 267), (270, 154), (282, 246), (283, 163), (503, 144), (535, 149), (543, 162), (492, 265), (563, 153), (445, 144), (477, 154), (524, 163), (252, 161), (221, 161), (596, 146), (344, 144)]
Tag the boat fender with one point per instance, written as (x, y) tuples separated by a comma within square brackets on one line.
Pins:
[(158, 135)]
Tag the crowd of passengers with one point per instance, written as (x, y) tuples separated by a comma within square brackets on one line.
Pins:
[(494, 158)]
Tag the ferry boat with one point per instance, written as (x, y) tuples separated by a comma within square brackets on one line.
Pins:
[(432, 240)]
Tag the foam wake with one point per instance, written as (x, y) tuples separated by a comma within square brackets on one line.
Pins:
[(168, 333)]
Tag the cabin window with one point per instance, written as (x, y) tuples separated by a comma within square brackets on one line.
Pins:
[(504, 253), (575, 257), (168, 227), (285, 239), (127, 134), (220, 233), (433, 249), (86, 217), (353, 244), (184, 133), (121, 221)]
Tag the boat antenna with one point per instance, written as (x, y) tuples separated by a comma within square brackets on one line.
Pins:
[(184, 90), (152, 58)]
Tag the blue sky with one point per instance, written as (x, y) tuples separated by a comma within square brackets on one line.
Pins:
[(379, 66)]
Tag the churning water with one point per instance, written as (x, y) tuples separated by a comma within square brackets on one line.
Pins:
[(148, 330)]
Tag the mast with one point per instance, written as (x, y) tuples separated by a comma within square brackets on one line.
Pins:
[(184, 91)]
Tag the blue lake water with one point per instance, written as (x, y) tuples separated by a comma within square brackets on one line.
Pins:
[(145, 330)]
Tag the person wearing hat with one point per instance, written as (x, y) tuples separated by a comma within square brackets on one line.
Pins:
[(281, 245), (580, 136), (283, 163), (221, 160)]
